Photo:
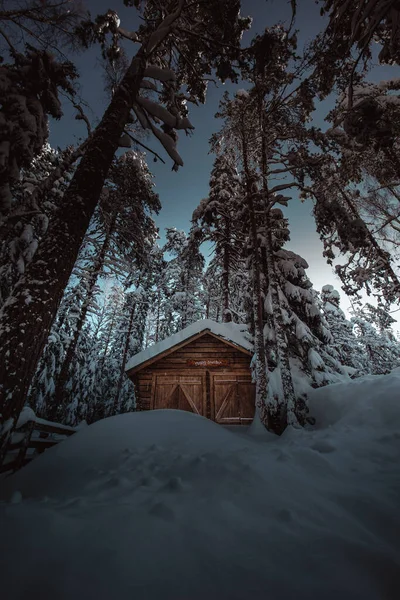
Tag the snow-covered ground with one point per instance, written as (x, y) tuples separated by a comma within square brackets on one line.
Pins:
[(167, 505)]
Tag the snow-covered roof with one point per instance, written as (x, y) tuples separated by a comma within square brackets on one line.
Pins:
[(234, 333)]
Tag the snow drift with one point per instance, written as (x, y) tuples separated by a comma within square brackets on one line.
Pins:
[(169, 505)]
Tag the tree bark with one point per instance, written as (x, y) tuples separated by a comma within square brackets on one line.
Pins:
[(158, 315), (226, 317), (27, 316), (286, 412), (261, 363), (124, 357)]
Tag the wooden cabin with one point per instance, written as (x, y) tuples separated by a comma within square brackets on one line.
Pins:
[(204, 369)]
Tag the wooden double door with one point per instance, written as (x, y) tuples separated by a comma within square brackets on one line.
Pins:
[(227, 398)]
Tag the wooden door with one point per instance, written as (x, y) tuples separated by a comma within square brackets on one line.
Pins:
[(232, 399), (181, 392)]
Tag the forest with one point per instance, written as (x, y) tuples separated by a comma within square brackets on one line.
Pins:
[(104, 493), (84, 281)]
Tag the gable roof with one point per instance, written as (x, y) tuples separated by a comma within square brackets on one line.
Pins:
[(230, 333)]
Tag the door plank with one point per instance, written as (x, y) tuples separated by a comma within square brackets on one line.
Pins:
[(188, 397), (225, 402)]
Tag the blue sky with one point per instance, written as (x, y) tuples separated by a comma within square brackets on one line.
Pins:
[(181, 192)]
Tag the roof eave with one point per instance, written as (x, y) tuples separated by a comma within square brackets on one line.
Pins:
[(182, 344)]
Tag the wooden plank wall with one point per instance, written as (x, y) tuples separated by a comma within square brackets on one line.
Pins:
[(206, 347)]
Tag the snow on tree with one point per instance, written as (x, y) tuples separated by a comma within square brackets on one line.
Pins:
[(29, 87), (368, 265), (377, 340), (183, 278), (116, 244), (266, 129), (28, 220), (312, 363), (344, 344), (216, 218), (43, 23), (108, 361), (363, 22), (171, 41)]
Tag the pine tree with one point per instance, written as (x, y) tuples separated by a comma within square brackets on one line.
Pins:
[(30, 87), (48, 275), (22, 232), (184, 277), (217, 218), (344, 344), (373, 327), (307, 337)]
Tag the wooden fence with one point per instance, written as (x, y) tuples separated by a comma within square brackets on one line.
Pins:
[(31, 439)]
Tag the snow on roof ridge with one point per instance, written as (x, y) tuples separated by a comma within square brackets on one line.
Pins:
[(230, 331)]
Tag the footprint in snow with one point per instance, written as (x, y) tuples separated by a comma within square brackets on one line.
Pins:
[(281, 456), (74, 503), (285, 515), (175, 484), (323, 447), (147, 481), (114, 482), (197, 461), (162, 511)]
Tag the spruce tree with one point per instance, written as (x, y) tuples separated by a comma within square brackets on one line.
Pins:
[(344, 344)]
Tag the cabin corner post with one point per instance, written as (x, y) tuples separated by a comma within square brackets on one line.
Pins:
[(153, 391), (208, 395)]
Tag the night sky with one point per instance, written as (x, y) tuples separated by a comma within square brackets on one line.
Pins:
[(181, 192)]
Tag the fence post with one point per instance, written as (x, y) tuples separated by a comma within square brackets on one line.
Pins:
[(27, 429)]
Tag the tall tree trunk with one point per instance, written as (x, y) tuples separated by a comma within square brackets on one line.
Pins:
[(158, 315), (108, 339), (286, 412), (226, 317), (60, 396), (259, 349), (124, 357), (27, 316)]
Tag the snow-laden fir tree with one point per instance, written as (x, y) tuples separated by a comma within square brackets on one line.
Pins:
[(30, 93), (157, 66), (379, 344), (22, 232), (117, 244), (265, 125), (307, 337), (108, 362), (184, 271), (216, 220), (344, 345)]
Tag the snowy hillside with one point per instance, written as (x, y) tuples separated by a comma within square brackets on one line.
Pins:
[(170, 505)]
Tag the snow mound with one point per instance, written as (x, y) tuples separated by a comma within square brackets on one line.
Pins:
[(169, 505), (370, 401), (68, 468)]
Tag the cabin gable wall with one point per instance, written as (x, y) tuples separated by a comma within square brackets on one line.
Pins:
[(199, 362)]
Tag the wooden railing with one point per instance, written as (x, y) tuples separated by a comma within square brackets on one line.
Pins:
[(34, 435)]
